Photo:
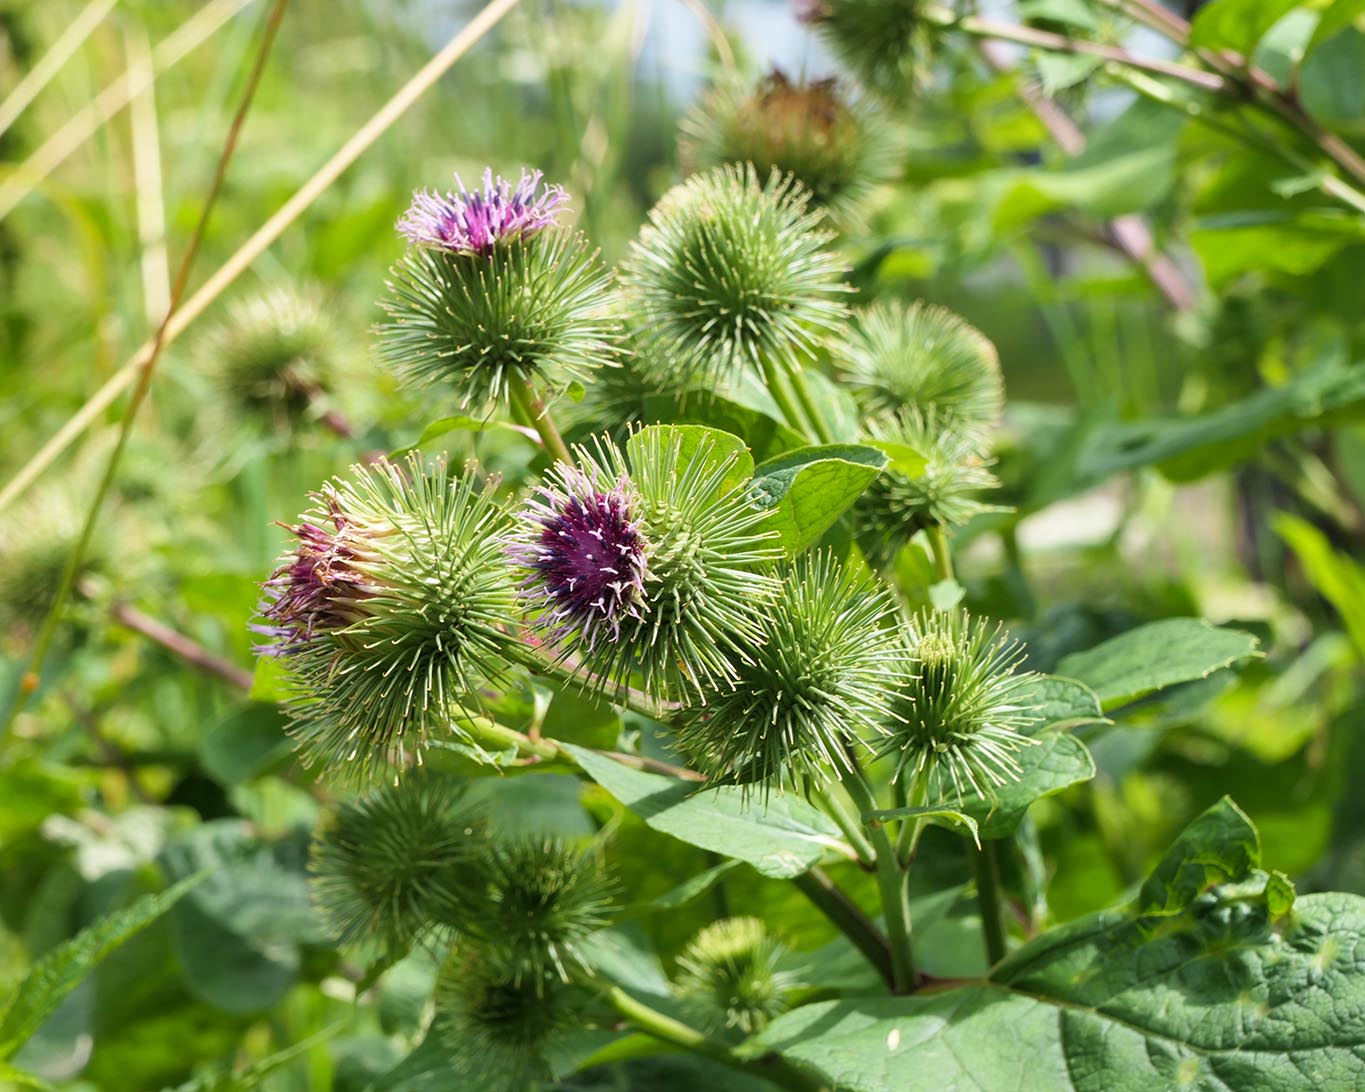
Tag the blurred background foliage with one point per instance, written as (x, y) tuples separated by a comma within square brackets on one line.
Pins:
[(1179, 444)]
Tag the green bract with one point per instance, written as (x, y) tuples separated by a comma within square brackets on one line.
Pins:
[(730, 976), (959, 719), (837, 149), (390, 613), (527, 311), (385, 864), (731, 271), (923, 357), (820, 679), (536, 900), (944, 493)]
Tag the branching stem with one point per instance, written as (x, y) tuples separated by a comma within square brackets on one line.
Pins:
[(533, 413), (891, 883), (833, 901), (988, 897)]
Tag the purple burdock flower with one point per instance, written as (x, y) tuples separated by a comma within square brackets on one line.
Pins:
[(317, 588), (474, 222), (586, 556)]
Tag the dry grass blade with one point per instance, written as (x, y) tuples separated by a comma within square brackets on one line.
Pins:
[(259, 242), (71, 39)]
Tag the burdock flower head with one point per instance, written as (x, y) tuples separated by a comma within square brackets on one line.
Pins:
[(731, 976), (493, 295), (881, 41), (924, 357), (961, 716), (835, 147), (945, 492), (385, 864), (388, 613), (648, 561), (476, 222), (821, 680), (731, 271)]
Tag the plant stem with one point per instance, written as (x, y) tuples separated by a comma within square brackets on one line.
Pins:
[(180, 646), (988, 898), (807, 399), (833, 901), (567, 671), (891, 883), (943, 556), (534, 413), (850, 825), (665, 1028), (782, 395)]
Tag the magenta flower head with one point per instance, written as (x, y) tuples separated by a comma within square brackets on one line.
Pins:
[(585, 554), (474, 222)]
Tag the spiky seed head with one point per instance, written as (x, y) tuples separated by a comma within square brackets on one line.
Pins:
[(276, 352), (730, 978), (503, 1027), (945, 493), (961, 716), (389, 613), (822, 678), (478, 222), (539, 898), (686, 550), (384, 864), (492, 293), (924, 357), (883, 42), (37, 539), (730, 271), (836, 148)]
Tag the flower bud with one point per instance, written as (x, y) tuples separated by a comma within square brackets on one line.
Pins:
[(389, 613), (961, 715), (820, 680), (881, 41), (730, 272), (491, 292), (730, 978)]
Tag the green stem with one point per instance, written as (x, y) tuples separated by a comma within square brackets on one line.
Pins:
[(943, 556), (665, 1028), (850, 825), (551, 667), (807, 399), (782, 395), (533, 413), (988, 898), (832, 901), (908, 840), (891, 883)]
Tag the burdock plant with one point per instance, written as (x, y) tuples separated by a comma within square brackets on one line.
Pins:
[(961, 717), (836, 148), (920, 356), (731, 978), (494, 299), (648, 562), (386, 863), (389, 613), (818, 684), (883, 42), (733, 271)]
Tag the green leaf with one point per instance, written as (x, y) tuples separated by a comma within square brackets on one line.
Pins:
[(807, 490), (1332, 573), (250, 1077), (692, 438), (21, 1079), (765, 435), (932, 811), (245, 744), (1225, 995), (694, 886), (781, 837), (1154, 656), (1338, 15), (1236, 24), (1054, 762), (1220, 846), (1332, 82), (460, 422), (64, 968), (1065, 703)]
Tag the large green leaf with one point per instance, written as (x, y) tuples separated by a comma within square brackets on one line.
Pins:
[(1230, 992), (765, 435), (1054, 762), (1221, 846), (1332, 82), (1337, 578), (717, 444), (782, 836), (1236, 24), (807, 490), (1154, 656), (66, 966)]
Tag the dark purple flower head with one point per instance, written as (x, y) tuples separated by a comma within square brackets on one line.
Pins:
[(317, 588), (474, 222), (586, 556)]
